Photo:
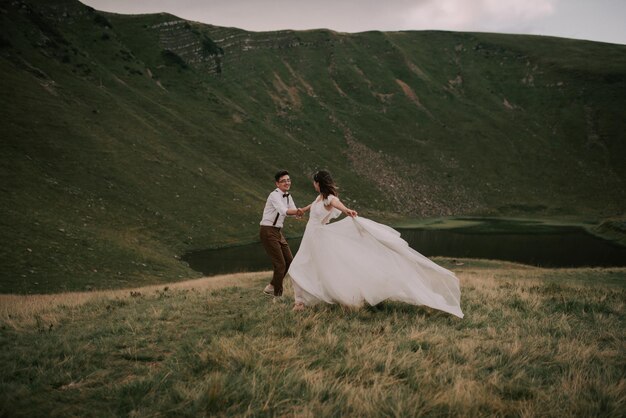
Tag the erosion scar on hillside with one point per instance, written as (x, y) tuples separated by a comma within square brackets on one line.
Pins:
[(407, 186)]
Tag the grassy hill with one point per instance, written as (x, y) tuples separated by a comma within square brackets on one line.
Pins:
[(128, 140)]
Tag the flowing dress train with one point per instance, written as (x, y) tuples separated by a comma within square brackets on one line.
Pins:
[(356, 260)]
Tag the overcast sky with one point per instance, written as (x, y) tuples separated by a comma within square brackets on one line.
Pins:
[(596, 20)]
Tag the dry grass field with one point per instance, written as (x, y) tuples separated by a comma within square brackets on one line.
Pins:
[(534, 342)]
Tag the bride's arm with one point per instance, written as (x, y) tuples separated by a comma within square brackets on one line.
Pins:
[(302, 211), (336, 203)]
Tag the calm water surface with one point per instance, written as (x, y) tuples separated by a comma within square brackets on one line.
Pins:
[(536, 245)]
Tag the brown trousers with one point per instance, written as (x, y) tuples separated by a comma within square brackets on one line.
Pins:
[(277, 248)]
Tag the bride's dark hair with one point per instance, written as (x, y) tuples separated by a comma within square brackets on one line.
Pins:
[(326, 183)]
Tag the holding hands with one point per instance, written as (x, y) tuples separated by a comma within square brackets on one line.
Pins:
[(300, 211)]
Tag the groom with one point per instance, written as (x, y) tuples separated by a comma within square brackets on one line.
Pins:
[(279, 204)]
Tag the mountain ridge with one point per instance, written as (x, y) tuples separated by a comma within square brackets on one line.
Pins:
[(131, 139)]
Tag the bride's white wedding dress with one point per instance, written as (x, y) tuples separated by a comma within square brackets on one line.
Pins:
[(357, 260)]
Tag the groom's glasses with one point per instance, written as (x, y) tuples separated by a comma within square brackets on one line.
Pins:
[(285, 181)]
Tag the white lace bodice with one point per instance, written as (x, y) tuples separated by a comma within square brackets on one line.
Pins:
[(320, 215)]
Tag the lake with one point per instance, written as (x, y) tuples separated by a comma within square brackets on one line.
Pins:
[(525, 242)]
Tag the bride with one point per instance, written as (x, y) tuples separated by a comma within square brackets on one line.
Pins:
[(357, 260)]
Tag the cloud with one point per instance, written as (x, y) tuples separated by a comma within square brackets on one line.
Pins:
[(466, 15)]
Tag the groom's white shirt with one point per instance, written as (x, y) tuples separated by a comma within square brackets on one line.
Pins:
[(277, 205)]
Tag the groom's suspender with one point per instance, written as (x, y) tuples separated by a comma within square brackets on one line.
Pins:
[(278, 214)]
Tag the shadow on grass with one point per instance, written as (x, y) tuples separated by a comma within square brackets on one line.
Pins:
[(385, 309)]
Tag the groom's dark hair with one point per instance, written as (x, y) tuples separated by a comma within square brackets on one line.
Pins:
[(281, 173)]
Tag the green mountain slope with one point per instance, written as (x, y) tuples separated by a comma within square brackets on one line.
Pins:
[(130, 139)]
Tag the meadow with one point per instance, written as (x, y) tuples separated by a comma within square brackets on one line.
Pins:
[(534, 342)]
